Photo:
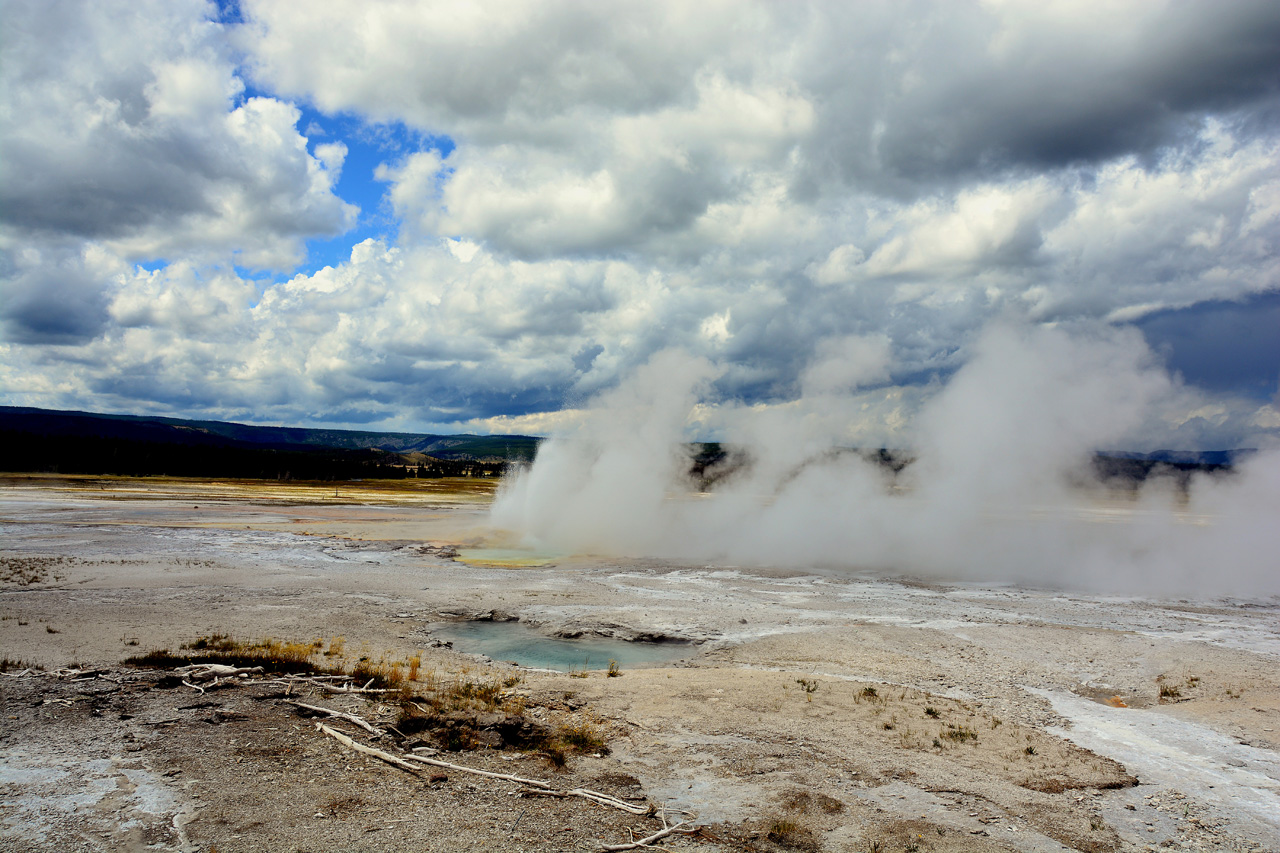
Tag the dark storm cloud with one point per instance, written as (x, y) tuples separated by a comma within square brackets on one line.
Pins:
[(963, 92), (1222, 346), (59, 303)]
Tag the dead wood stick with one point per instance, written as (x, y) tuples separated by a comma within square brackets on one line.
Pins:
[(350, 718), (435, 762), (594, 796), (206, 671), (367, 750), (333, 689), (544, 792), (645, 842), (606, 800), (193, 686)]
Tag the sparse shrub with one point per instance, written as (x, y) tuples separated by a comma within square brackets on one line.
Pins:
[(8, 663), (555, 755), (869, 692), (788, 833), (932, 712), (797, 801), (614, 670), (1169, 691), (582, 737), (1030, 750), (804, 801), (809, 687), (959, 734), (458, 739)]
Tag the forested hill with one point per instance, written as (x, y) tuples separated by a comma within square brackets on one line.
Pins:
[(92, 443)]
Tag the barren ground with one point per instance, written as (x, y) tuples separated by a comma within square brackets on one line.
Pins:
[(814, 711)]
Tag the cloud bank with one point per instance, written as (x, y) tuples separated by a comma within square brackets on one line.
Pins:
[(810, 196)]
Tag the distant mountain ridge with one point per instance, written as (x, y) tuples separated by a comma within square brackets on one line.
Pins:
[(34, 439), (1218, 458), (483, 448)]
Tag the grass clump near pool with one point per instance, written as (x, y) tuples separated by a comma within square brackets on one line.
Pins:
[(465, 709)]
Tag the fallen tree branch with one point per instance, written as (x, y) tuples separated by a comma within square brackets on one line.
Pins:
[(594, 796), (611, 802), (76, 674), (435, 762), (350, 718), (193, 686), (646, 842), (207, 671), (367, 750), (332, 689), (535, 786)]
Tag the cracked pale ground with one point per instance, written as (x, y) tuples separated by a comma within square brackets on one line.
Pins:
[(813, 712)]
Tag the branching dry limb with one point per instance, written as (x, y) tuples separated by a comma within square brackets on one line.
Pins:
[(367, 750), (351, 718), (682, 827), (214, 671), (435, 762)]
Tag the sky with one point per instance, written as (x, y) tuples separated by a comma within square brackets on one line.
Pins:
[(446, 217)]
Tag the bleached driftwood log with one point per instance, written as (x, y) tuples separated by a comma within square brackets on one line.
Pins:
[(208, 671), (587, 794), (342, 715), (76, 674), (535, 786), (367, 750), (333, 688), (435, 762), (682, 827), (611, 802)]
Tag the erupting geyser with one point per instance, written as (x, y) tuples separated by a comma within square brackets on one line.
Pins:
[(1002, 487)]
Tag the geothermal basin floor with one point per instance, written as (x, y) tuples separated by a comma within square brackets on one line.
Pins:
[(812, 711)]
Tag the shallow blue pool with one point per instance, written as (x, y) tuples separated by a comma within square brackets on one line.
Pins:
[(512, 641)]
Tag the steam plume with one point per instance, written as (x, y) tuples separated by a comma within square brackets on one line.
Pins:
[(1002, 487)]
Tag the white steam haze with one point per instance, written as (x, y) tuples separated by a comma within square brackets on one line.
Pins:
[(1002, 488)]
